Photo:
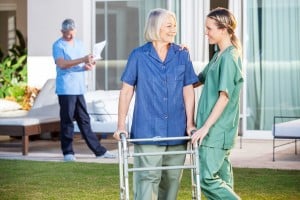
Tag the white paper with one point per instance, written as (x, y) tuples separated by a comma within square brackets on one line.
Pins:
[(98, 48)]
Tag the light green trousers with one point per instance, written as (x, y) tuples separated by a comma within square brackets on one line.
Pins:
[(216, 177), (157, 184)]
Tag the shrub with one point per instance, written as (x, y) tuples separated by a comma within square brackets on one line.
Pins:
[(13, 71)]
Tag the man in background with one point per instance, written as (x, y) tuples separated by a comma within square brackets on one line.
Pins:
[(71, 62)]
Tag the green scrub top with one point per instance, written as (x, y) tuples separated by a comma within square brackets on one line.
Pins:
[(223, 73)]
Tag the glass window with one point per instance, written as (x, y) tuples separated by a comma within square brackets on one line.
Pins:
[(273, 61), (121, 24), (8, 30)]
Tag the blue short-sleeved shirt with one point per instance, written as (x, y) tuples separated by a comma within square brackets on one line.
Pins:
[(69, 81), (159, 109)]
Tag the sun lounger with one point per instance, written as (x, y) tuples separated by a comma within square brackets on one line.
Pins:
[(43, 117), (286, 130), (102, 106)]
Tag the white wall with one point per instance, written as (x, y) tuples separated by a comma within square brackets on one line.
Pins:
[(44, 24)]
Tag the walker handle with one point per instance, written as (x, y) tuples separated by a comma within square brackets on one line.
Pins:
[(122, 135)]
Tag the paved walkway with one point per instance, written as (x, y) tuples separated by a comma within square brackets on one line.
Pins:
[(253, 154)]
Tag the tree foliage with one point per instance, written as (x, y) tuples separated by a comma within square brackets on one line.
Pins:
[(13, 70)]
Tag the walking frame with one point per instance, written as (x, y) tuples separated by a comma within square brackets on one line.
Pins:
[(124, 169)]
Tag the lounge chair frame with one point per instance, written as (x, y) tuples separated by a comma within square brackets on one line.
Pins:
[(25, 131), (286, 132), (42, 118)]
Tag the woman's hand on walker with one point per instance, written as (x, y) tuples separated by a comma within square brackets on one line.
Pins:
[(199, 135), (117, 134)]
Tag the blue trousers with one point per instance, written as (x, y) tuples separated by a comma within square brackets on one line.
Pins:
[(73, 107)]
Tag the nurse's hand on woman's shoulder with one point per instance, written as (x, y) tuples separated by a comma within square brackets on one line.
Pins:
[(184, 46)]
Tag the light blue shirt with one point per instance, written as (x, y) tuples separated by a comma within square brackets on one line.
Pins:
[(159, 109), (69, 81)]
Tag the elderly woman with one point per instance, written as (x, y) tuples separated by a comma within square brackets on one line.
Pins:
[(162, 75)]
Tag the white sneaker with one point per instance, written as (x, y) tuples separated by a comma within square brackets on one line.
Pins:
[(107, 154), (69, 158)]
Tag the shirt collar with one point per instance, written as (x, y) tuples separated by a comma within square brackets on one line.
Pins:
[(173, 50)]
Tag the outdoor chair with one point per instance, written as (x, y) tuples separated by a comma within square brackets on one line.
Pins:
[(288, 130), (102, 106), (43, 117)]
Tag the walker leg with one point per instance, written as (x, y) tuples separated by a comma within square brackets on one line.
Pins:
[(124, 154), (121, 170), (125, 164), (193, 173), (197, 175)]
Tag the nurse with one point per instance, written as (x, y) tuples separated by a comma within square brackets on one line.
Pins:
[(218, 109)]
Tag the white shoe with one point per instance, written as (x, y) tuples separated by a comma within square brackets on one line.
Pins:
[(107, 154), (69, 158)]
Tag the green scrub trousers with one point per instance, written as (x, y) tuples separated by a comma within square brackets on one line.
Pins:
[(216, 177), (157, 184)]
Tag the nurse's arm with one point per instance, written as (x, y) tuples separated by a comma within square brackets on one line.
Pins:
[(212, 118), (217, 110)]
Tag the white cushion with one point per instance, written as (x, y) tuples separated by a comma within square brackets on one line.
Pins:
[(103, 110), (100, 112), (46, 95), (26, 121), (288, 129), (13, 113), (102, 105), (6, 105), (45, 108), (19, 121)]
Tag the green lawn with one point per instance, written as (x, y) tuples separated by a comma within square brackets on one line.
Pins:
[(59, 180)]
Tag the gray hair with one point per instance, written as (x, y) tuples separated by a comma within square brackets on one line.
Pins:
[(68, 24), (155, 19)]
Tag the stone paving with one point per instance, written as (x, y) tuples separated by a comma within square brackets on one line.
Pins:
[(253, 154)]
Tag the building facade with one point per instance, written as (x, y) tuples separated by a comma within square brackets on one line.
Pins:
[(268, 30)]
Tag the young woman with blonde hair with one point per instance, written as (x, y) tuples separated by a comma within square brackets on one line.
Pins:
[(218, 108)]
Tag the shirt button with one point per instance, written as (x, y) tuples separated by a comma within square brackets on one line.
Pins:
[(166, 116)]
